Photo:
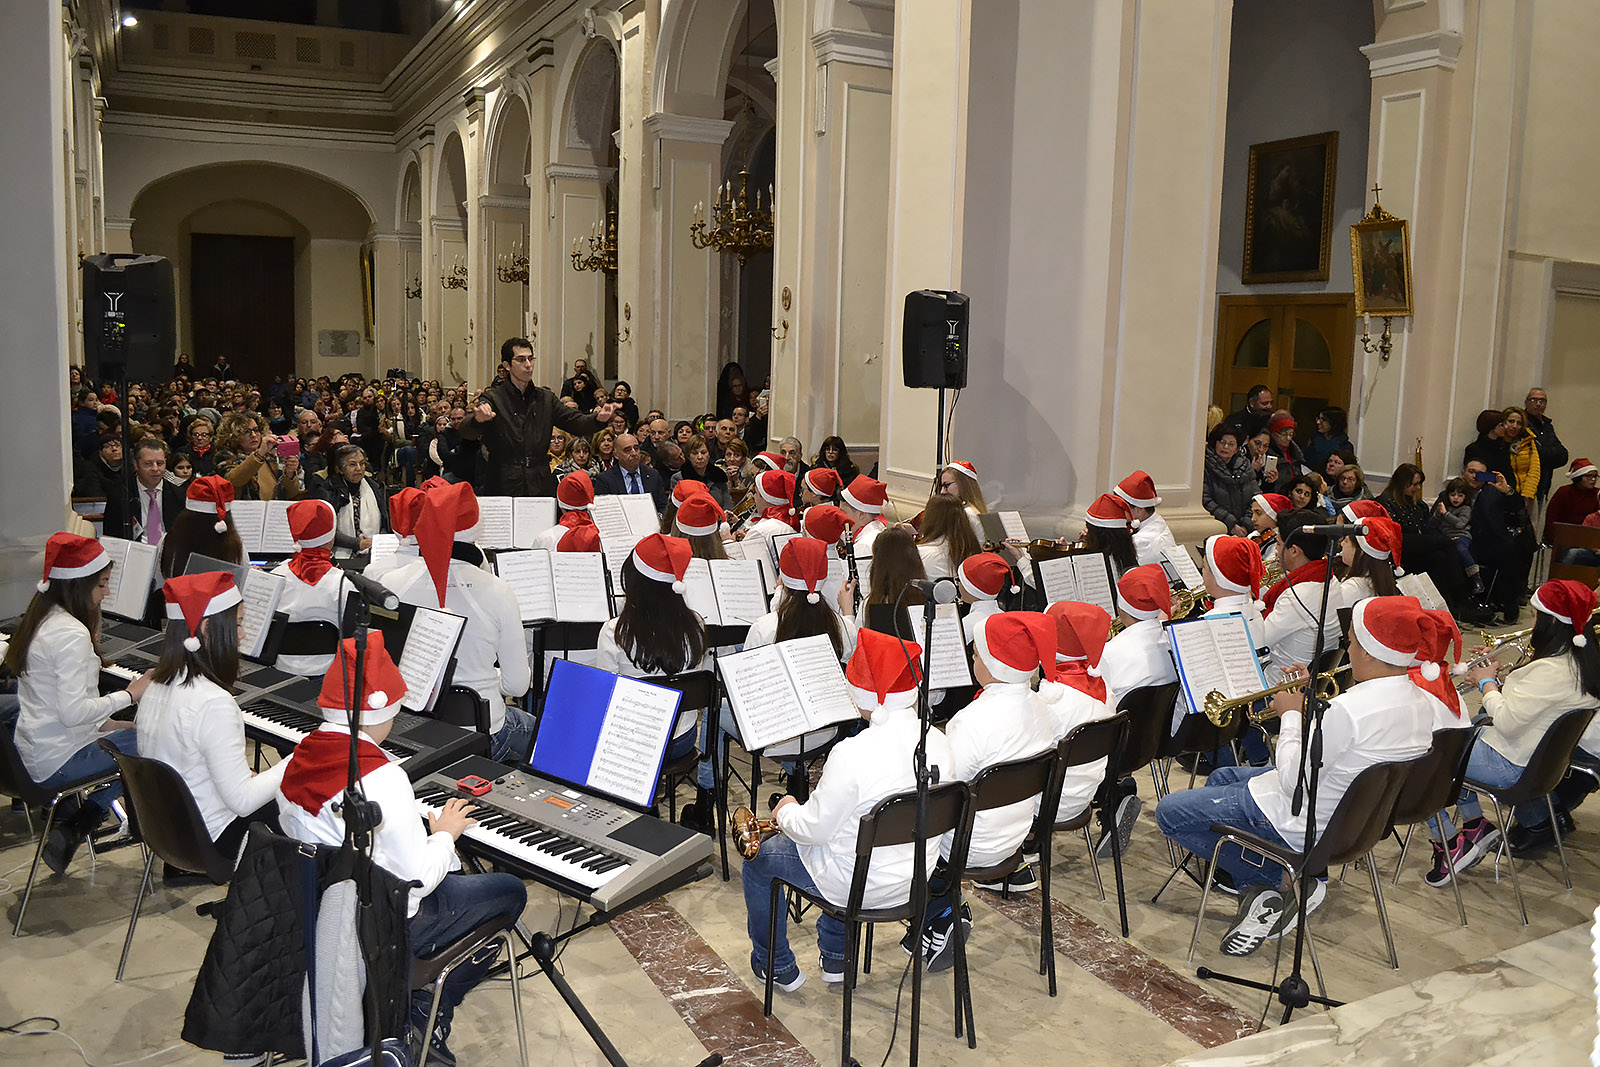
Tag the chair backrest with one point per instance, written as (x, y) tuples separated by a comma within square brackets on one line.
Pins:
[(1149, 711), (893, 821), (1017, 780), (462, 706), (309, 639), (167, 817), (1196, 733), (699, 691), (1435, 779), (1550, 757), (1361, 818), (15, 781)]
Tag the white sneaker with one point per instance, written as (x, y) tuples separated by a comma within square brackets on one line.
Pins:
[(1261, 915), (1314, 899)]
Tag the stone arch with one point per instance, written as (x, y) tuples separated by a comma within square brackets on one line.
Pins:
[(227, 165), (408, 196), (509, 138), (590, 105), (450, 187), (695, 49)]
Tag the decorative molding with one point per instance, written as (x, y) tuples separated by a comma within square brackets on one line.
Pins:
[(539, 54), (474, 99), (424, 135), (873, 5), (579, 173), (853, 46), (691, 128), (182, 128), (119, 224), (771, 67), (1421, 51), (1391, 6), (396, 236), (497, 202), (445, 224)]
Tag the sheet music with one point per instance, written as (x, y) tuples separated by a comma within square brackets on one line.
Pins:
[(627, 755), (698, 593), (640, 509), (528, 575), (1421, 586), (764, 701), (741, 598), (610, 520), (1012, 523), (1183, 566), (579, 579), (1060, 579), (819, 680), (494, 522), (249, 516), (117, 549), (260, 594), (775, 545), (734, 549), (1215, 653), (430, 645), (276, 537), (384, 545), (1093, 571), (139, 572), (948, 652), (530, 517)]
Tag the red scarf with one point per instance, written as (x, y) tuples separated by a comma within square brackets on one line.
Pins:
[(310, 564), (863, 528), (1075, 673), (574, 519), (784, 513), (320, 768), (1443, 687), (1314, 571)]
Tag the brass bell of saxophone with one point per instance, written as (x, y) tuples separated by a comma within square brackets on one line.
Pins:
[(749, 832)]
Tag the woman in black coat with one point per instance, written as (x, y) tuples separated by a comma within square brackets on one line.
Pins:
[(1230, 481)]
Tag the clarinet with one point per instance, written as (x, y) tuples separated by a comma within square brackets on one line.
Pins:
[(847, 549)]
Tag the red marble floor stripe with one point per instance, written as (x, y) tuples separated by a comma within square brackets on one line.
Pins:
[(710, 998), (1140, 977)]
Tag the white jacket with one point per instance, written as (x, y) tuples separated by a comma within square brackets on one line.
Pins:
[(1529, 703), (1007, 721), (308, 603), (404, 555), (861, 771), (1291, 628), (196, 729), (1071, 710), (1135, 658), (764, 631), (936, 559), (61, 708), (1151, 537), (610, 656), (861, 548)]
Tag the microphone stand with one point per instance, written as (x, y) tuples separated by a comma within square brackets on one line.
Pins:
[(1293, 992)]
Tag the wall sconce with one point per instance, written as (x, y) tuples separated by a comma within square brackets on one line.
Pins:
[(785, 298), (627, 330)]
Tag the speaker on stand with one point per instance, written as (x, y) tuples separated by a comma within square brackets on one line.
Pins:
[(934, 347)]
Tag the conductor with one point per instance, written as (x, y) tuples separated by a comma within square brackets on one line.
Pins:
[(513, 419)]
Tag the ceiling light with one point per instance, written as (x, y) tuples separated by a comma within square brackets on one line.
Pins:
[(129, 21)]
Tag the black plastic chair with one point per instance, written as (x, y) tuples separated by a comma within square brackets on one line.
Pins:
[(1089, 743), (169, 825), (809, 746), (892, 821), (16, 783), (1433, 785), (1545, 768), (1196, 735), (1148, 711), (309, 639), (700, 697), (431, 973), (463, 706)]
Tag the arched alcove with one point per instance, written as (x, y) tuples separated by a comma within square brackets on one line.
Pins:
[(508, 159), (453, 343), (584, 191)]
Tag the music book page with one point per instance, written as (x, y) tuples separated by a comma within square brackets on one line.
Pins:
[(1183, 566), (628, 752), (1215, 654), (528, 575), (1012, 522), (819, 681), (260, 594), (741, 598), (276, 537), (734, 549), (698, 593), (117, 549), (640, 509), (775, 545), (580, 586), (384, 545), (764, 701), (530, 517), (1421, 586), (947, 654), (1059, 578), (249, 516), (494, 522), (430, 645), (1093, 571)]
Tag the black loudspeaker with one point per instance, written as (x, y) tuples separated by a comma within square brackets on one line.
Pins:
[(128, 317), (935, 339)]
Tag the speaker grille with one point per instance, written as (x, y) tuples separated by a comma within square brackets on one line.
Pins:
[(307, 50), (202, 41), (247, 44)]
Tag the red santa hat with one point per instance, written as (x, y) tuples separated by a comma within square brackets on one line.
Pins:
[(210, 495), (824, 481), (575, 492), (1361, 510), (1138, 489), (1081, 632), (1381, 540), (449, 514), (404, 507), (438, 481), (879, 674), (777, 489), (192, 597), (382, 689), (985, 575), (1014, 644), (1111, 513), (770, 460), (1143, 593), (825, 523), (1272, 504), (311, 522), (866, 494), (1580, 467), (1235, 563), (663, 559), (803, 566), (1567, 601), (1397, 630), (70, 555), (699, 516), (585, 538), (685, 488), (963, 466)]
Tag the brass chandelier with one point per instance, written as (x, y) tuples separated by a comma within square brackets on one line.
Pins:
[(602, 255), (738, 225)]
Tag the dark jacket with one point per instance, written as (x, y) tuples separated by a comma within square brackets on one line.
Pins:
[(1319, 448), (120, 506), (1228, 489), (518, 438), (336, 491), (1496, 455), (715, 479), (611, 484), (1552, 453)]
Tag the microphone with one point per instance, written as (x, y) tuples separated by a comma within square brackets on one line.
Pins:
[(373, 592), (935, 590), (1349, 529)]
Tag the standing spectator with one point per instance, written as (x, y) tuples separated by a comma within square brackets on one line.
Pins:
[(580, 369), (1491, 448), (732, 392), (85, 424), (1254, 416), (836, 457), (1498, 516), (622, 399), (740, 417), (1524, 450), (1332, 434), (1552, 453), (222, 368), (1230, 482)]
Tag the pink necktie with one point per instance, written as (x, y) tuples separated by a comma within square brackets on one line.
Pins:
[(152, 522)]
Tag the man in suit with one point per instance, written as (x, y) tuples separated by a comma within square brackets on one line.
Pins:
[(632, 475), (155, 503)]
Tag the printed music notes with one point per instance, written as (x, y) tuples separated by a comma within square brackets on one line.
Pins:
[(1011, 522), (430, 645), (494, 522), (1215, 653), (564, 586), (506, 522), (945, 659), (623, 523), (786, 690), (1180, 567), (725, 592), (633, 738), (1421, 586), (384, 546), (1082, 576), (133, 575), (276, 538), (261, 592)]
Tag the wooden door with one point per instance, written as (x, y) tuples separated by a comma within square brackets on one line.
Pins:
[(1299, 345), (241, 301)]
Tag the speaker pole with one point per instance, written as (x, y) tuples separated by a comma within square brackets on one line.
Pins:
[(938, 444)]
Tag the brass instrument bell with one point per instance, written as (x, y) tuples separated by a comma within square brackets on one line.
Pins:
[(749, 832)]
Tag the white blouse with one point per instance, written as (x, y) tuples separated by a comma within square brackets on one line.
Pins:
[(61, 709)]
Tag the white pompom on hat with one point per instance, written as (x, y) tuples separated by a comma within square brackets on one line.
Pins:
[(383, 685), (803, 566), (191, 598), (210, 495), (1567, 601), (70, 555)]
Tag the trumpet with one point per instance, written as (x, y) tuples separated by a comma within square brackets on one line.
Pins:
[(749, 832), (1184, 601), (1220, 710), (1272, 572), (1517, 639)]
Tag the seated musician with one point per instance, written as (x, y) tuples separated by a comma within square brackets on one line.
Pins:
[(946, 537), (205, 527), (1291, 606), (445, 903), (1384, 717), (574, 498), (311, 583), (897, 563), (1362, 510), (863, 501), (767, 461), (1233, 573), (820, 485), (1108, 528), (1080, 697), (1264, 511), (1152, 534), (774, 493), (404, 506), (817, 848), (188, 718), (1007, 721), (982, 578), (682, 489), (1135, 658), (826, 523), (492, 656), (699, 521), (1368, 563)]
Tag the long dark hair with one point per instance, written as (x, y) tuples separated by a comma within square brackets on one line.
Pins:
[(1552, 637), (798, 617), (1380, 572), (1115, 542), (946, 517), (655, 628), (1399, 482), (75, 596), (1338, 421), (216, 660), (844, 464), (895, 561), (704, 546), (194, 531)]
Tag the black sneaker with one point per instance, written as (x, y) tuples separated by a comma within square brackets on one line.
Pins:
[(1021, 880), (1526, 841), (1262, 914), (62, 846), (832, 970), (1127, 814), (438, 1052), (1222, 882), (939, 945)]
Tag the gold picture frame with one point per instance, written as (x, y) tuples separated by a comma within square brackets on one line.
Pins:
[(1380, 259), (1288, 215)]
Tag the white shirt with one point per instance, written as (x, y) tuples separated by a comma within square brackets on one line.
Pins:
[(196, 729), (860, 771), (977, 611), (1071, 710), (493, 633), (1345, 592), (308, 603), (401, 845), (1379, 721), (406, 553), (936, 560), (764, 631), (1529, 702), (611, 656), (144, 495), (1007, 721), (61, 708), (1137, 657), (861, 548), (1151, 537), (1291, 628)]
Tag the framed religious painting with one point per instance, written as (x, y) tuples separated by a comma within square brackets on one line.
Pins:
[(1288, 219), (1380, 256)]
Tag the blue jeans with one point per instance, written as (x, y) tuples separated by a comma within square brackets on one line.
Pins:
[(91, 760), (1463, 547), (726, 724), (510, 745), (406, 457), (457, 905), (1186, 819), (1484, 765), (779, 858)]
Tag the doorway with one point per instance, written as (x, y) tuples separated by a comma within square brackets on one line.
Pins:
[(1299, 345), (241, 301)]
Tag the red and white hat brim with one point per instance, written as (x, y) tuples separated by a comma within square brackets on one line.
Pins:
[(999, 668), (97, 563), (653, 574), (775, 501), (1138, 502), (697, 531), (221, 602), (1581, 471), (1260, 501), (974, 591), (1374, 647), (859, 505), (961, 468), (571, 507), (1141, 614), (1540, 603), (866, 698), (1114, 523), (1216, 570)]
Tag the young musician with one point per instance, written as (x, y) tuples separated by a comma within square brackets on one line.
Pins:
[(820, 485), (1384, 717), (449, 577), (204, 527), (61, 714), (682, 489), (405, 505), (1108, 528), (444, 904), (1152, 534), (982, 579), (698, 521), (311, 585), (1264, 511), (897, 564), (1007, 721), (188, 718), (1292, 605), (826, 523), (1081, 634), (775, 490), (959, 479), (1362, 510), (817, 848), (863, 501), (946, 537), (1368, 563), (574, 498)]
